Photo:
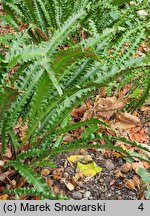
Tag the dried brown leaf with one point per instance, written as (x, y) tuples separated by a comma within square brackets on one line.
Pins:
[(127, 118), (56, 190), (137, 134), (122, 125), (58, 173), (70, 186), (88, 114), (129, 183), (126, 167), (4, 197), (77, 113), (106, 107), (45, 172), (137, 165), (119, 174), (136, 181)]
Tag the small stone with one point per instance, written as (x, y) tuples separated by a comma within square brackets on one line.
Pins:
[(91, 198), (107, 179), (101, 180), (2, 163), (119, 198), (77, 195), (109, 165), (87, 194), (69, 170)]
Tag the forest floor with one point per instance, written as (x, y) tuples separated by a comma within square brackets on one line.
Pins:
[(118, 179)]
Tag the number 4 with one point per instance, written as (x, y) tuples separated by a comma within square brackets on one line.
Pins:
[(141, 207)]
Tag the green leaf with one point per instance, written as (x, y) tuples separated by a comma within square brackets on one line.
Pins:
[(32, 192), (89, 131), (146, 179), (52, 76), (89, 169), (144, 175), (69, 56), (120, 2), (31, 177)]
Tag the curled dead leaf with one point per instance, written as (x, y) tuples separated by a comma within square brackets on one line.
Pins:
[(57, 173), (50, 182), (45, 172), (70, 186), (75, 181), (137, 165), (126, 167), (136, 181), (129, 183), (79, 175), (62, 180), (112, 182), (83, 152), (109, 165), (119, 174)]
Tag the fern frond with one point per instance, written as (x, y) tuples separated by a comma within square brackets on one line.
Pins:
[(44, 163), (67, 57), (32, 152), (92, 121), (33, 192), (31, 177), (78, 144)]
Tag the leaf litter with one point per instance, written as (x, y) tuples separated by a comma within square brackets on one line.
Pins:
[(108, 176)]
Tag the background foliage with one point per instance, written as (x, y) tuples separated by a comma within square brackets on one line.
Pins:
[(63, 52)]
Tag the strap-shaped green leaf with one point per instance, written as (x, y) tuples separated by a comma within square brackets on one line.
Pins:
[(33, 192), (31, 177)]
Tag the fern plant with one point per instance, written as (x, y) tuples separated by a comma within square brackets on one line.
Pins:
[(36, 98), (43, 17)]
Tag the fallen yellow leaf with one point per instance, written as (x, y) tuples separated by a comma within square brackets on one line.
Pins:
[(81, 158), (89, 169)]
